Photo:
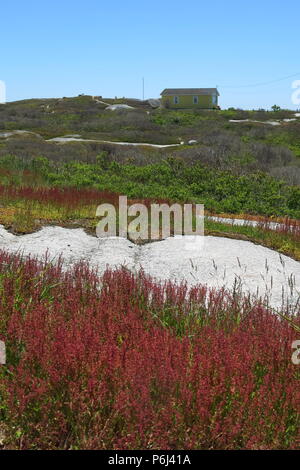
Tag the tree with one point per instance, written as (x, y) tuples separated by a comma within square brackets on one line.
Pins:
[(276, 108)]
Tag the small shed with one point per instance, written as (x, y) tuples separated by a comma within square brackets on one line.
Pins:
[(204, 98)]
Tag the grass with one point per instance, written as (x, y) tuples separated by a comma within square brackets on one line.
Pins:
[(33, 194)]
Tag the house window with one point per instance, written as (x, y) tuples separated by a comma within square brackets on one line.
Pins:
[(214, 99), (176, 100), (195, 99)]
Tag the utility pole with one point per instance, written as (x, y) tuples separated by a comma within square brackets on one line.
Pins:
[(143, 88)]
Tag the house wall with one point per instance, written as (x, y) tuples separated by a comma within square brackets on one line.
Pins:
[(186, 101)]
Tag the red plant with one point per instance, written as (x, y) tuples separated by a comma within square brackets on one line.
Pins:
[(68, 196)]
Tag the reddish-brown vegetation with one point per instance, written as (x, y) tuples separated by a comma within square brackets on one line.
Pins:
[(122, 362)]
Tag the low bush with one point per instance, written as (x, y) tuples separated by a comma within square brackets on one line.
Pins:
[(220, 190)]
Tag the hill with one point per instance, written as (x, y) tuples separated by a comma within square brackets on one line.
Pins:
[(238, 140), (233, 161)]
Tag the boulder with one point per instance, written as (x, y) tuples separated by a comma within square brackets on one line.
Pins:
[(154, 103)]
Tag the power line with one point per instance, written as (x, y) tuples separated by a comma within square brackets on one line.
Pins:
[(262, 83)]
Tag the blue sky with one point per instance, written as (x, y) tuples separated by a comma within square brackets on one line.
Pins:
[(63, 48)]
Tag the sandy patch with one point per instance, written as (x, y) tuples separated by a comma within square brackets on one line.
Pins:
[(67, 138), (251, 223)]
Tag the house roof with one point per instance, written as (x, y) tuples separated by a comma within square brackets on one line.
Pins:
[(189, 91)]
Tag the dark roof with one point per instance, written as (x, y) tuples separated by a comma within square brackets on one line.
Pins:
[(189, 91)]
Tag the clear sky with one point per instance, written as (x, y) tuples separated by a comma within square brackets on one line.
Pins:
[(63, 48)]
